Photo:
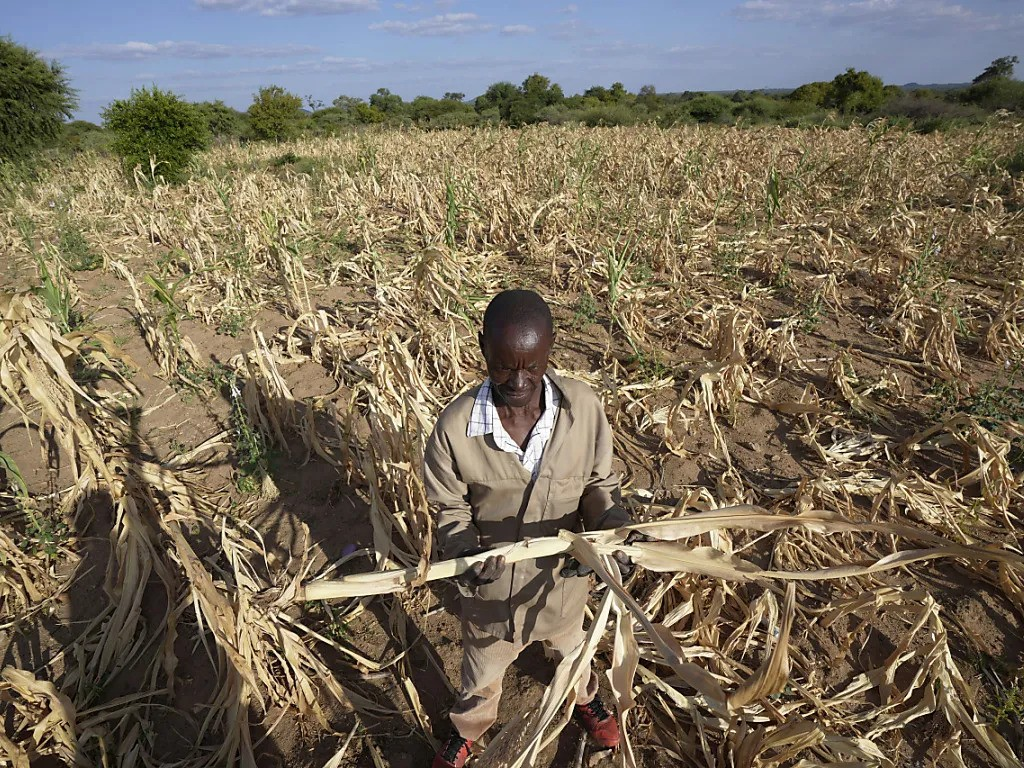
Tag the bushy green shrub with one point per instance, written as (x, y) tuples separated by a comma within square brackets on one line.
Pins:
[(1014, 162), (332, 120), (996, 93), (708, 107), (449, 120), (35, 97), (930, 113), (856, 92), (83, 136), (221, 120), (75, 249), (758, 109), (369, 115), (559, 114), (275, 114), (154, 126), (613, 114), (811, 93)]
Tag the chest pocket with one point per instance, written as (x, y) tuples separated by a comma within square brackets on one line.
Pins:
[(566, 489)]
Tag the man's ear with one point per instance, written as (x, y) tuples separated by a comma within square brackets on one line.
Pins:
[(480, 341)]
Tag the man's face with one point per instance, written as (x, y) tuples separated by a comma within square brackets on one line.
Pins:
[(517, 358)]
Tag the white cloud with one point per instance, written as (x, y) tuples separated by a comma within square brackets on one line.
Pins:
[(446, 24), (178, 49), (325, 64), (616, 48), (571, 29), (291, 7), (681, 50), (571, 8), (517, 29), (358, 69), (906, 15)]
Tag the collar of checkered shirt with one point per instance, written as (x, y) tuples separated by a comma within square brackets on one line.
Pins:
[(484, 414)]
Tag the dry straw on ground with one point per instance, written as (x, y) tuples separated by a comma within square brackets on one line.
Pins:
[(884, 276)]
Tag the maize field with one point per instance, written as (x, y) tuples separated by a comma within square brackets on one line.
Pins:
[(215, 546)]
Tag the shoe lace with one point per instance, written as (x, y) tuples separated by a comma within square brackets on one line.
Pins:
[(597, 709), (453, 747)]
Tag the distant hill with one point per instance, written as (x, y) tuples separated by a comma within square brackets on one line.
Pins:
[(784, 91), (934, 86)]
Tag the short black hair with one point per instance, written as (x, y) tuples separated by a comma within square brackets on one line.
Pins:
[(517, 307)]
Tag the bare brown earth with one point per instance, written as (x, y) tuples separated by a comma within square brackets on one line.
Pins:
[(311, 508)]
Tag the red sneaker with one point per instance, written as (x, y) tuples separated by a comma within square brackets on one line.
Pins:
[(599, 723), (455, 752)]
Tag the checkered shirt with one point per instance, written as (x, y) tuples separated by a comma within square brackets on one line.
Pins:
[(484, 420)]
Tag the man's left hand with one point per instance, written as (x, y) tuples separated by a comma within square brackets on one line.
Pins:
[(625, 563)]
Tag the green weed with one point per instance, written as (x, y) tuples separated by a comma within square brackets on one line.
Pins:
[(252, 458), (45, 534), (584, 311), (648, 366), (1008, 705), (174, 261), (997, 402), (165, 294), (57, 295), (811, 314), (1014, 163), (329, 624), (12, 475), (233, 323), (619, 259), (728, 261), (75, 250)]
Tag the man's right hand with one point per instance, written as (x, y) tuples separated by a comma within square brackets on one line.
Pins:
[(483, 572)]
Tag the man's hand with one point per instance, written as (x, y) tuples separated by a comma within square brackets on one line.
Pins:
[(483, 572), (626, 565)]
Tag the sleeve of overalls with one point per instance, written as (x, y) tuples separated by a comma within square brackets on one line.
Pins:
[(601, 502), (448, 497)]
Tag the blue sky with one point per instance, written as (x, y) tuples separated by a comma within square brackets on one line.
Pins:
[(227, 49)]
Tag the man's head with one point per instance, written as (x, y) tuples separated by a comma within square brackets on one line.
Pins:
[(516, 343)]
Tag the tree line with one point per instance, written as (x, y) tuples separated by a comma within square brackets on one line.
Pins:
[(152, 122)]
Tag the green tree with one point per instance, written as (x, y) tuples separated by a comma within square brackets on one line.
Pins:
[(424, 109), (275, 114), (649, 97), (221, 120), (369, 115), (332, 120), (154, 126), (389, 103), (855, 92), (35, 98), (1001, 67), (995, 93), (500, 96), (454, 96), (708, 107), (82, 136), (535, 93), (811, 93), (540, 89)]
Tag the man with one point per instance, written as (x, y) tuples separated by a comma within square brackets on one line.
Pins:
[(524, 455)]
